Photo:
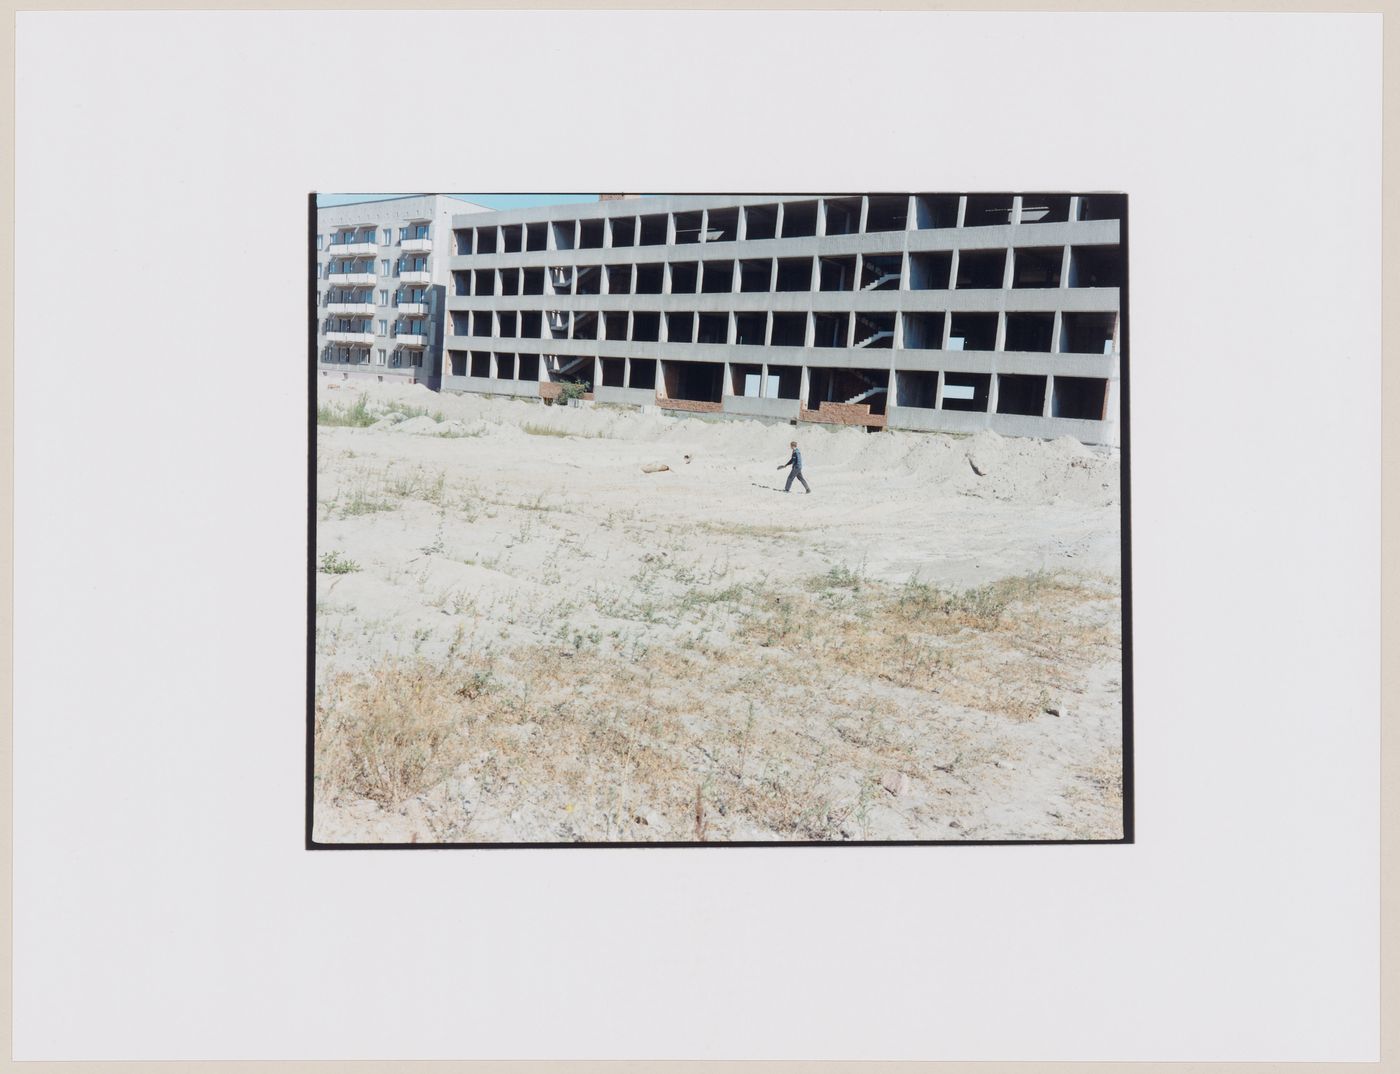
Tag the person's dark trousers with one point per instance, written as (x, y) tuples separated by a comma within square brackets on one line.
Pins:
[(795, 473)]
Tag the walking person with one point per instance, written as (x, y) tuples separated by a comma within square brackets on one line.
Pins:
[(796, 463)]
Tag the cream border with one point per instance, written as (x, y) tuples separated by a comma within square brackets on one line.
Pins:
[(1390, 570)]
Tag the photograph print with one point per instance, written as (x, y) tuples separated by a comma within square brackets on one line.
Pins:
[(715, 519)]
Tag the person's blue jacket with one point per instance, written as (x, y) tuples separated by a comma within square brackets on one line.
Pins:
[(795, 462)]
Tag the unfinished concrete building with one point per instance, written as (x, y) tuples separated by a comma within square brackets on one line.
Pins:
[(939, 312), (381, 287)]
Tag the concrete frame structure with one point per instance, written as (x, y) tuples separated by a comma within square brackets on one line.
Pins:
[(926, 311), (381, 286), (940, 312)]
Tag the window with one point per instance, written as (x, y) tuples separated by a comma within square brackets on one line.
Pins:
[(380, 359), (383, 328), (383, 298), (403, 233), (388, 236), (384, 267), (318, 241), (395, 360), (416, 359)]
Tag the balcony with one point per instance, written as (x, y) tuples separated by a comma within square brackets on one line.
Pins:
[(351, 276), (415, 276), (357, 248), (417, 246), (351, 309), (413, 309), (409, 339), (349, 337)]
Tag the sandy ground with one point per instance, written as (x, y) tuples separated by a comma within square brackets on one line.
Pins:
[(522, 636)]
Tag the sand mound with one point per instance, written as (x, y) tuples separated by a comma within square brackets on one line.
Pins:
[(984, 465)]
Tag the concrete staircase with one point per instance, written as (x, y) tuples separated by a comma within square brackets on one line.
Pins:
[(564, 366), (880, 280)]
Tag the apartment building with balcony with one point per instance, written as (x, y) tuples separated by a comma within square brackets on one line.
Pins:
[(381, 284), (927, 311)]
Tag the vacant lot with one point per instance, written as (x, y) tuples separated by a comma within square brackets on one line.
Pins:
[(521, 636)]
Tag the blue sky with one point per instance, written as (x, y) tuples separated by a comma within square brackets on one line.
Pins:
[(490, 201)]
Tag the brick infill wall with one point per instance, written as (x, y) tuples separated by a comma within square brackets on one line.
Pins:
[(697, 406), (842, 414)]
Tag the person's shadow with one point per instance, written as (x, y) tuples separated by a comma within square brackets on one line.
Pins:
[(769, 488)]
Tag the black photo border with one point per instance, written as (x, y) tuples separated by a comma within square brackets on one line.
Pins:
[(1129, 835)]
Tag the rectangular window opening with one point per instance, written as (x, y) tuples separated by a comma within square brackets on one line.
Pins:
[(1019, 393)]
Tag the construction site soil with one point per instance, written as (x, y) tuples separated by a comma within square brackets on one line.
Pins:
[(522, 635)]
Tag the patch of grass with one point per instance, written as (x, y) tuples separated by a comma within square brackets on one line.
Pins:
[(365, 497), (535, 429), (388, 735), (357, 416), (335, 563), (790, 722), (839, 577)]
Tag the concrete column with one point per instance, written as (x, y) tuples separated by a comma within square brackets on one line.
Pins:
[(666, 277), (597, 372), (631, 321), (815, 277), (1049, 394), (953, 271), (727, 386), (1111, 405), (992, 393), (947, 330), (1056, 327), (864, 212), (860, 264), (1000, 344), (905, 269), (778, 234), (741, 229), (493, 367), (803, 386), (768, 328), (938, 390), (663, 333), (898, 342), (1074, 207), (962, 216), (851, 323), (772, 275), (1008, 268), (810, 337), (1015, 217), (911, 219), (636, 230), (699, 274), (732, 331), (737, 285), (670, 229), (626, 371), (821, 217), (763, 381), (704, 226), (1064, 266)]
